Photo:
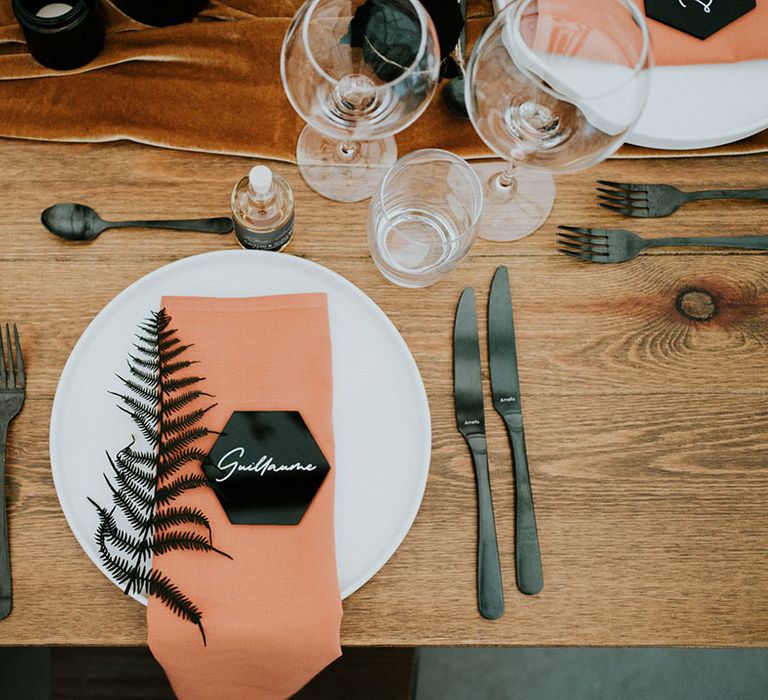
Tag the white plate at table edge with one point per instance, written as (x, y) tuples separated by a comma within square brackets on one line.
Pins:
[(336, 284), (687, 96), (694, 80)]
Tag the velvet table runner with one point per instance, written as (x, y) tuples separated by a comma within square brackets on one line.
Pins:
[(214, 84)]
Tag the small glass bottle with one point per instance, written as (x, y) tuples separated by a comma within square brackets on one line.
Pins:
[(262, 208)]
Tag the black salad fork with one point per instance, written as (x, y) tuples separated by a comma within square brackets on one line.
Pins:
[(651, 201), (12, 391), (616, 245)]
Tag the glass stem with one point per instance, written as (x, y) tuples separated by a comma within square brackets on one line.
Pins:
[(347, 149), (507, 176), (503, 186)]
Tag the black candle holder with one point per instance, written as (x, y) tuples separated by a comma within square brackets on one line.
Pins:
[(65, 42), (161, 13)]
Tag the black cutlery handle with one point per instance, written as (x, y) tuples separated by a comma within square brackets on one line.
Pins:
[(6, 598), (530, 577), (490, 594), (741, 242), (760, 194), (220, 224)]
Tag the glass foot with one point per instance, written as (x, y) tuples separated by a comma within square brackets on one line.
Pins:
[(511, 213), (343, 174)]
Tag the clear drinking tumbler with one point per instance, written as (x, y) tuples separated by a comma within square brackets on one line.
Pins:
[(423, 217)]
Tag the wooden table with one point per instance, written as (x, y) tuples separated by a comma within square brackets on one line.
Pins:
[(647, 429)]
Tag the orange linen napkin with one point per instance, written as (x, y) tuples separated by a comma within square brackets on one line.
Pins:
[(742, 40), (272, 613)]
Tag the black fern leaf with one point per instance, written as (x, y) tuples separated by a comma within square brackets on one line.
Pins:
[(182, 440), (140, 494), (140, 390), (176, 517), (147, 459), (173, 353), (147, 427), (173, 385), (172, 541), (134, 514), (134, 470), (117, 566), (184, 422), (162, 588), (164, 347), (146, 350), (166, 334), (142, 407), (148, 342), (143, 519), (152, 365), (170, 464), (179, 401), (148, 377), (171, 491), (171, 368), (115, 535)]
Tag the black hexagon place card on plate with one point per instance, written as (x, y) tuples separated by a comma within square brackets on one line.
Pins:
[(266, 468), (700, 18)]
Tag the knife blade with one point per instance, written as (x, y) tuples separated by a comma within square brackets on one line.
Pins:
[(505, 383), (470, 417)]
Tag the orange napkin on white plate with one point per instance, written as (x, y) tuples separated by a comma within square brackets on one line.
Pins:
[(272, 613)]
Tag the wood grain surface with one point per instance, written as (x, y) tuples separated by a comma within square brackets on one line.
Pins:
[(647, 429)]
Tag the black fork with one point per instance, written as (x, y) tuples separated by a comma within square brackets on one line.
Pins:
[(13, 383), (651, 201)]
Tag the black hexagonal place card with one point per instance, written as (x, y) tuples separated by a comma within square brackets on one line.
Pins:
[(701, 18), (266, 467)]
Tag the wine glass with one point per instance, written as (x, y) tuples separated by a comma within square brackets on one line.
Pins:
[(552, 85), (358, 72)]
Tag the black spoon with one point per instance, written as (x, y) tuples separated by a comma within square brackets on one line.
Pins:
[(77, 222)]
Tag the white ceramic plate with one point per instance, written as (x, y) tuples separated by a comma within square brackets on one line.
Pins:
[(701, 106), (380, 410)]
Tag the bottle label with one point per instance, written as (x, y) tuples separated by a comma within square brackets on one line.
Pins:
[(273, 240)]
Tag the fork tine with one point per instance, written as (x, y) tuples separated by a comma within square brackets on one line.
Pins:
[(624, 210), (2, 362), (585, 249), (21, 378), (579, 256), (11, 370), (635, 204), (633, 197), (628, 194), (630, 186), (582, 252), (574, 229), (564, 238), (583, 232), (581, 240)]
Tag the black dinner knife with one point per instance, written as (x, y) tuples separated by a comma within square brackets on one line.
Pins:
[(505, 383), (468, 395)]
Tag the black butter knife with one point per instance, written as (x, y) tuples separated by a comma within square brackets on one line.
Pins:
[(468, 394), (506, 398)]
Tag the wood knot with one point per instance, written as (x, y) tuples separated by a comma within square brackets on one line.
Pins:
[(696, 304)]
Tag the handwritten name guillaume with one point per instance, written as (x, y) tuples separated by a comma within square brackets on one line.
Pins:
[(264, 465)]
